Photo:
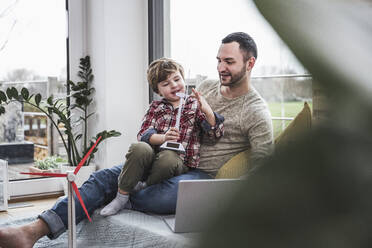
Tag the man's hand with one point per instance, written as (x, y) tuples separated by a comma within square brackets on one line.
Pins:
[(205, 108)]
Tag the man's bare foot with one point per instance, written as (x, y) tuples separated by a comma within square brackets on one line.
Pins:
[(23, 236)]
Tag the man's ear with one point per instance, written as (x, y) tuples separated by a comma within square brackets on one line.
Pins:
[(250, 63)]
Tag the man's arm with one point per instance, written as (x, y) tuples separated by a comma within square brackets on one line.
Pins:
[(260, 135)]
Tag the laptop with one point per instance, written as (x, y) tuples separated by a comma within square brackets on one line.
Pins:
[(200, 200)]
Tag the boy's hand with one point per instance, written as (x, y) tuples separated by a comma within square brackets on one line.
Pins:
[(205, 108), (203, 104), (172, 135)]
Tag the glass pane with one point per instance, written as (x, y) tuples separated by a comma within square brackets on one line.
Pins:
[(32, 55), (196, 45), (2, 181), (196, 34), (285, 96)]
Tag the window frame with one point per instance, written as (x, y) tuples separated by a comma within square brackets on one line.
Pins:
[(158, 32)]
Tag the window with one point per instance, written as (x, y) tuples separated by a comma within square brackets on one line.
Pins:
[(32, 55), (196, 31)]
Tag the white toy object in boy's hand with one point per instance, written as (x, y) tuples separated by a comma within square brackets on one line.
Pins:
[(175, 146)]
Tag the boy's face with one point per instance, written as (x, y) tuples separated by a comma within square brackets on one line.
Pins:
[(169, 87)]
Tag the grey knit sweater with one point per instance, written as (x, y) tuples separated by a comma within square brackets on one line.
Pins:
[(247, 124)]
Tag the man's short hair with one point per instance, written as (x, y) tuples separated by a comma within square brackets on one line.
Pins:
[(246, 44), (160, 69)]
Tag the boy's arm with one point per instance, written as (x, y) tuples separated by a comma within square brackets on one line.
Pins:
[(156, 139), (148, 132), (205, 108), (212, 123), (148, 127), (171, 135)]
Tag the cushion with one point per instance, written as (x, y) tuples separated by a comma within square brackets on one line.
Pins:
[(297, 127), (239, 164), (236, 166)]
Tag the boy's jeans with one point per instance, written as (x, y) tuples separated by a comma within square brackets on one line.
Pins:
[(101, 188)]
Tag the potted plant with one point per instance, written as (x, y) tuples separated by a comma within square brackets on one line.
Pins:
[(49, 164), (57, 111)]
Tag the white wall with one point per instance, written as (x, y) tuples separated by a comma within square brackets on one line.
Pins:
[(114, 34)]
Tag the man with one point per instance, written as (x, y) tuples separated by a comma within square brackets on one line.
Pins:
[(247, 126)]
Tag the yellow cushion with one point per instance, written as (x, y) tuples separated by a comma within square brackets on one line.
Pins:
[(239, 164), (298, 126), (236, 166)]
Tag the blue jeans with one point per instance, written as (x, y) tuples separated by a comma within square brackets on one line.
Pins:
[(101, 188)]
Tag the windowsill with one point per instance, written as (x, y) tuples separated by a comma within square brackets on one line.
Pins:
[(35, 197), (38, 186)]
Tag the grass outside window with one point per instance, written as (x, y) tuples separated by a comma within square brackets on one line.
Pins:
[(291, 109)]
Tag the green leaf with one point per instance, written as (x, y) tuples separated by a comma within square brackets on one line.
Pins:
[(25, 94), (86, 92), (3, 96), (9, 93), (31, 96), (50, 100), (59, 106), (2, 110), (105, 134), (78, 137), (56, 102), (14, 92), (69, 82), (114, 133), (72, 106), (82, 85), (38, 99), (74, 88), (80, 101)]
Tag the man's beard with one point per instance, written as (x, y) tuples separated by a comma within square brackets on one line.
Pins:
[(235, 79)]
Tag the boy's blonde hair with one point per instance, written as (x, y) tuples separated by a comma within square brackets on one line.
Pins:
[(160, 69)]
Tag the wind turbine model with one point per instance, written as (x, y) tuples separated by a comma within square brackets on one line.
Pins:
[(175, 146), (71, 176)]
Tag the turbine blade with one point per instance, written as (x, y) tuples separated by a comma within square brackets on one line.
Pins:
[(80, 199), (46, 174), (86, 156)]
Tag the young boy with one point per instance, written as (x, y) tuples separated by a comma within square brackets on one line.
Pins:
[(144, 159)]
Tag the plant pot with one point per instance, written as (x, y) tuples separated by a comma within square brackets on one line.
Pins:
[(83, 174)]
